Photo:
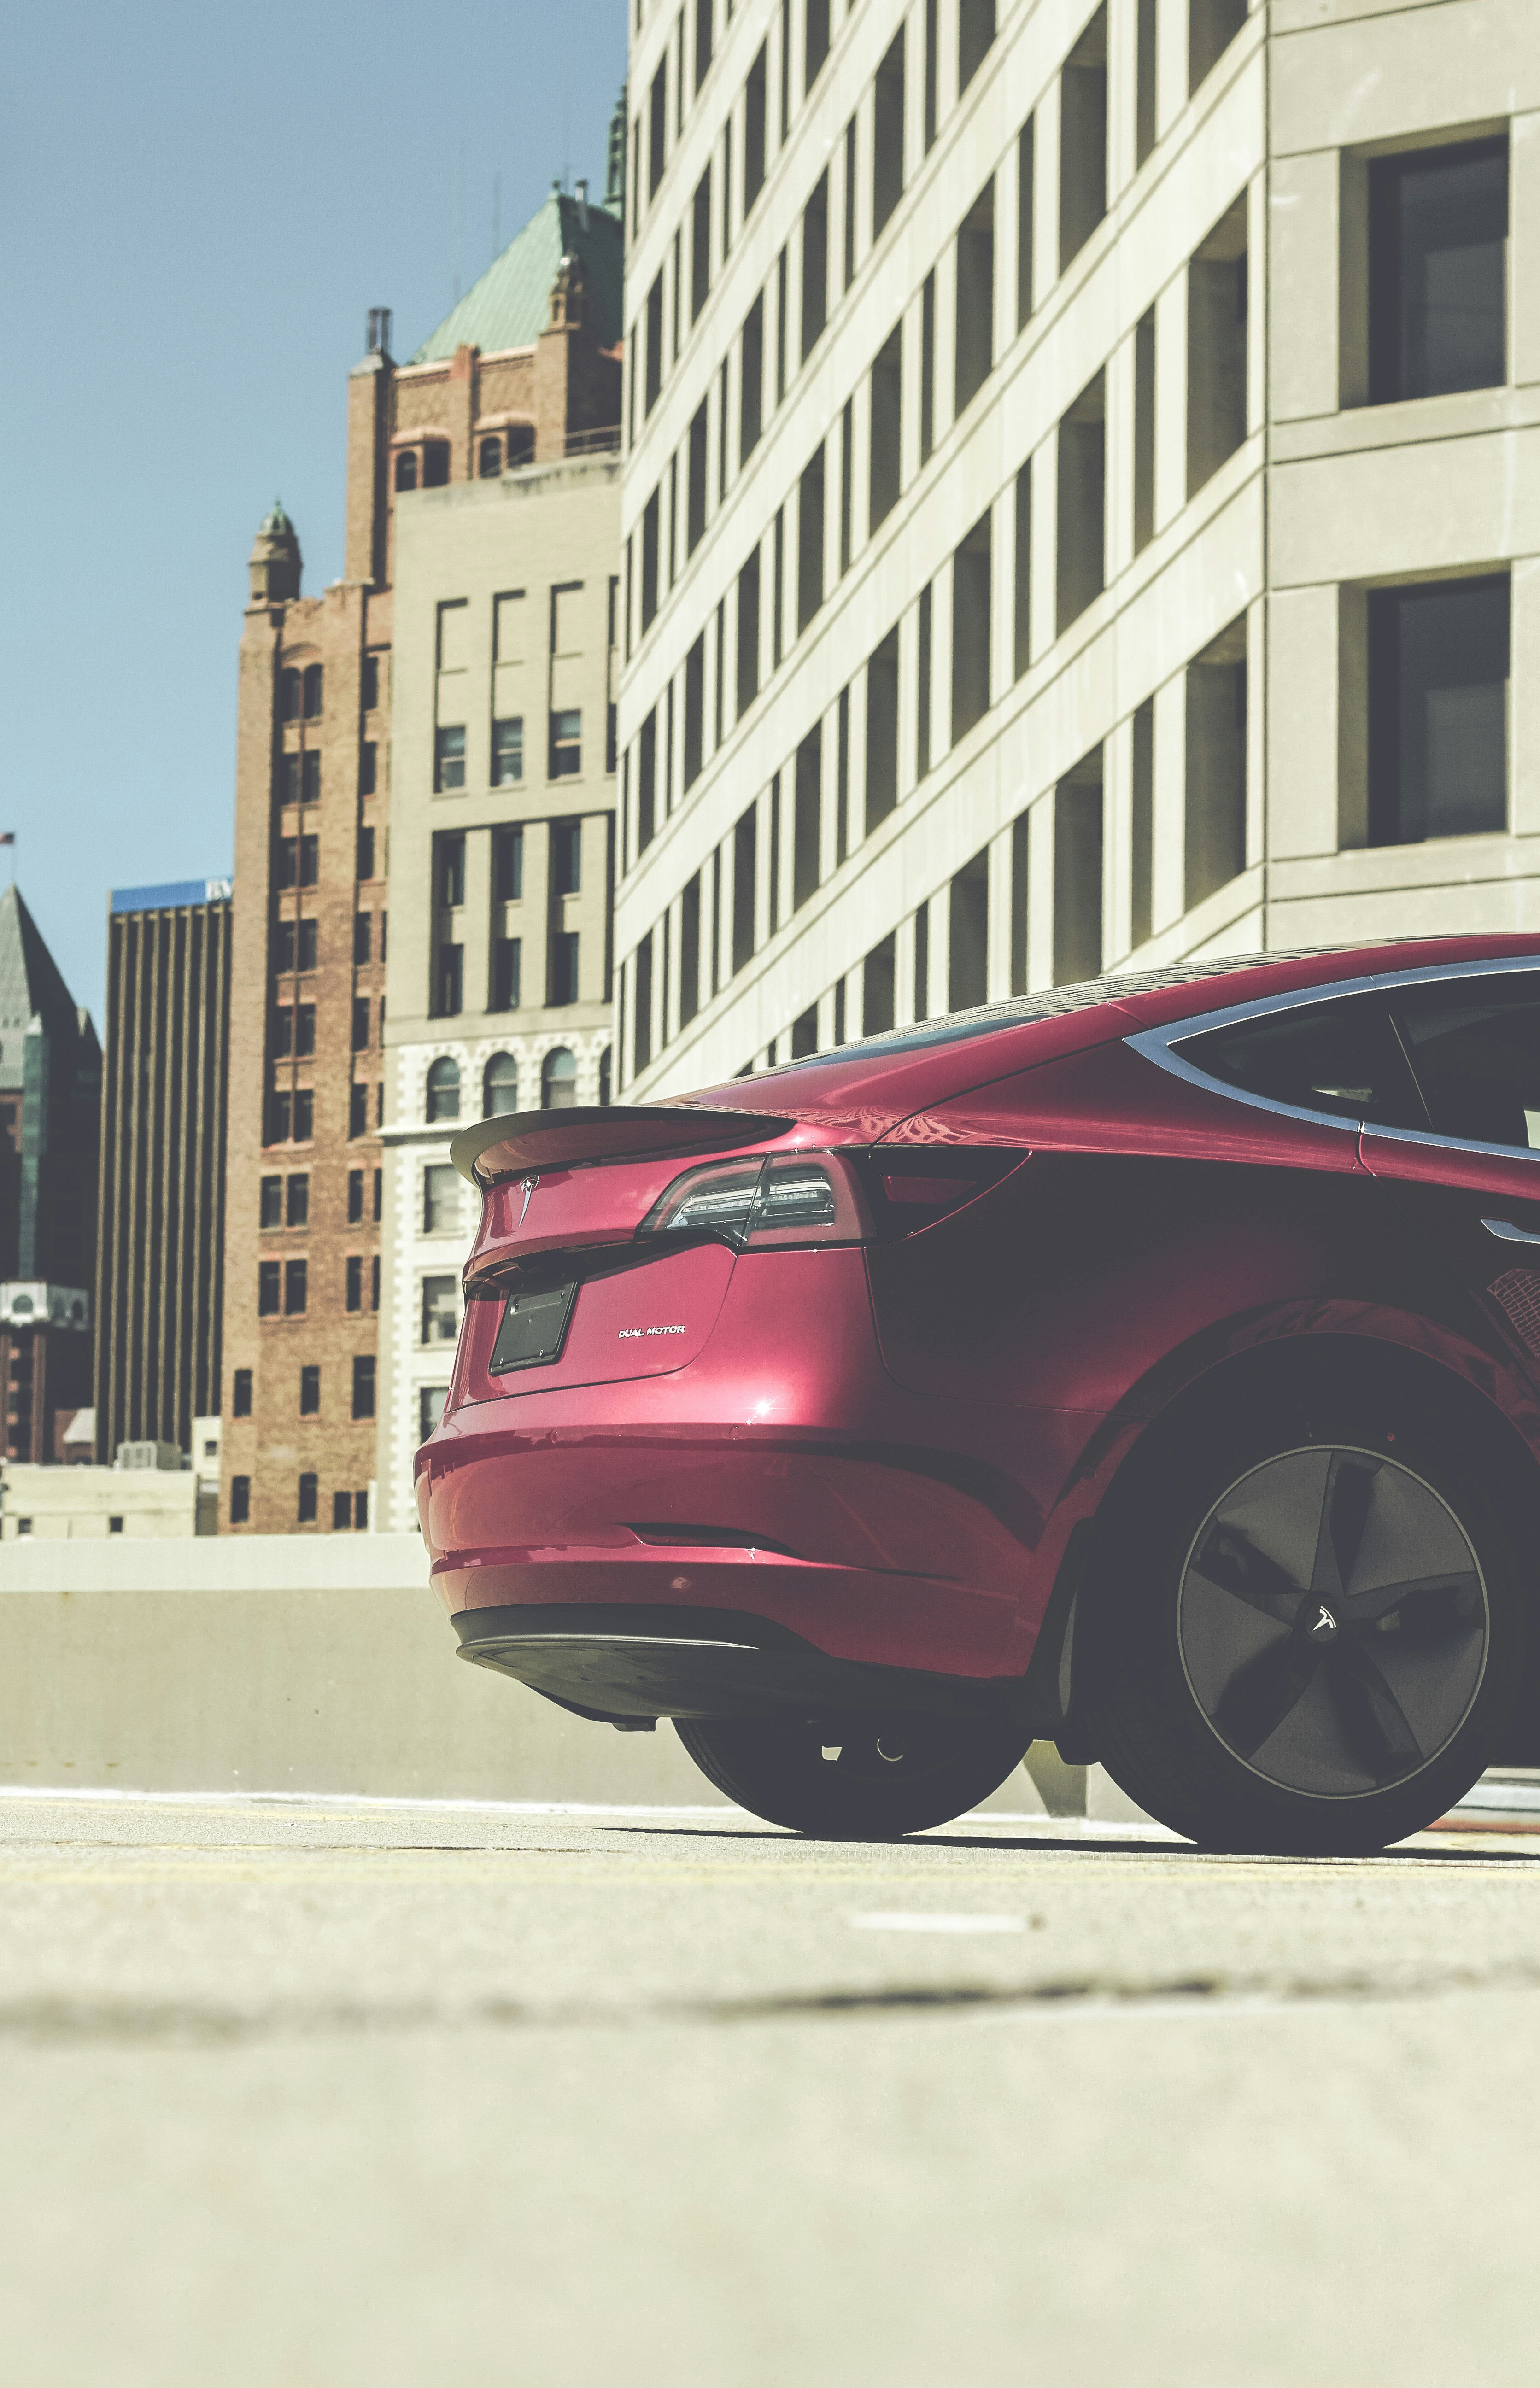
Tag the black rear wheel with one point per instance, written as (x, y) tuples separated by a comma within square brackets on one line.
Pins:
[(863, 1778), (1320, 1653)]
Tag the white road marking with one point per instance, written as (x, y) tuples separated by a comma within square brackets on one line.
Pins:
[(936, 1922)]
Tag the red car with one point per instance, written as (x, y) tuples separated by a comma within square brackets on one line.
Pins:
[(1151, 1365)]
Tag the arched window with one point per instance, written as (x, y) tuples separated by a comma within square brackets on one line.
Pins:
[(558, 1081), (499, 1086), (521, 445), (605, 1078), (406, 468), (435, 463), (313, 691), (289, 695), (488, 457), (443, 1089)]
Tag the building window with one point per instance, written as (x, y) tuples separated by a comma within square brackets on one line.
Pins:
[(304, 1114), (374, 1282), (499, 1086), (1212, 25), (1077, 873), (440, 1197), (972, 577), (342, 1512), (887, 144), (449, 760), (290, 695), (313, 682), (443, 1091), (567, 752), (810, 540), (975, 31), (751, 382), (748, 633), (366, 853), (308, 1486), (435, 464), (370, 691), (508, 751), (448, 981), (310, 1390), (700, 244), (507, 954), (1438, 670), (269, 1287), (440, 1309), (489, 458), (430, 1409), (563, 967), (272, 1201), (694, 500), (605, 1059), (355, 1281), (304, 1029), (566, 857), (310, 777), (358, 1108), (361, 1022), (362, 937), (1216, 795), (973, 352), (753, 131), (240, 1393), (1081, 574), (364, 1385), (295, 1277), (240, 1500), (379, 1196), (406, 469), (279, 1119), (1438, 249), (297, 1201), (1083, 140), (368, 767), (815, 265), (558, 1080), (507, 866)]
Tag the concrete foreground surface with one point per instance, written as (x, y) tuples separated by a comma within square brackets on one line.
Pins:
[(309, 2095)]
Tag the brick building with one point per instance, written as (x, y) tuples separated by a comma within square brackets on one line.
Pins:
[(50, 1091), (525, 371)]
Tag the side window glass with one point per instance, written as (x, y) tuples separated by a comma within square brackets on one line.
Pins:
[(1342, 1058), (1475, 1046)]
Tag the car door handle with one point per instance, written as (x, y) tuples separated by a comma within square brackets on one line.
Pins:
[(1506, 1232)]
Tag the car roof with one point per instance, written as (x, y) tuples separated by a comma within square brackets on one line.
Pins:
[(861, 1088)]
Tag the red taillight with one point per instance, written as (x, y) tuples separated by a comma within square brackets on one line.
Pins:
[(793, 1198), (824, 1198)]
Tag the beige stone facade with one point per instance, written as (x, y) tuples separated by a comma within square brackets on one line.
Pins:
[(507, 609), (1076, 501)]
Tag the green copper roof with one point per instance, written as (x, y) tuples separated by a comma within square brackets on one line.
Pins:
[(510, 306)]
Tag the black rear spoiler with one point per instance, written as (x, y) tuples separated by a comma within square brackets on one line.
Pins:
[(524, 1143)]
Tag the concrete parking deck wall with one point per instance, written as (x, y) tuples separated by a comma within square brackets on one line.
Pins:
[(308, 1663)]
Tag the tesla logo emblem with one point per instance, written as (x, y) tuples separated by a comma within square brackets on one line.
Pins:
[(631, 1334), (529, 1185), (1324, 1626)]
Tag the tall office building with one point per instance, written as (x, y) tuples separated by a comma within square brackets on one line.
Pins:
[(1074, 500), (160, 1252), (50, 1093), (507, 600)]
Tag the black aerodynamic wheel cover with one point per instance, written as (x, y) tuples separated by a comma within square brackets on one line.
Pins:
[(1332, 1622)]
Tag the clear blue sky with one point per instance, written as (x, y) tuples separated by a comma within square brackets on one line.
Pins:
[(199, 206)]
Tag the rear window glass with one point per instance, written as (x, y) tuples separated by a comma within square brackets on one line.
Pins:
[(1342, 1058), (1475, 1046)]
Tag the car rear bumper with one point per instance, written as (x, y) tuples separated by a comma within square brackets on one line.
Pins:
[(642, 1660)]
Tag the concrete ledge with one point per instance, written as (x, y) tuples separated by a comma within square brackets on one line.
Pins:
[(315, 1663)]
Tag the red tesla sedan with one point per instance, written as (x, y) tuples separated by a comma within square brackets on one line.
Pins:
[(1151, 1365)]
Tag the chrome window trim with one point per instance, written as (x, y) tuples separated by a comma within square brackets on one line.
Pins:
[(1156, 1045)]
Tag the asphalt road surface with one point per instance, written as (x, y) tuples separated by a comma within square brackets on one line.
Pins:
[(332, 2095)]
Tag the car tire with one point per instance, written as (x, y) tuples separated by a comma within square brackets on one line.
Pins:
[(1307, 1646), (864, 1779)]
